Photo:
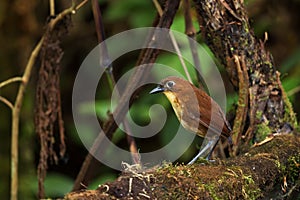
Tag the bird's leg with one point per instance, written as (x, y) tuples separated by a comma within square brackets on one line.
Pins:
[(212, 150), (203, 151)]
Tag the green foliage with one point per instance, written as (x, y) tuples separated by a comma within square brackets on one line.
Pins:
[(290, 83), (135, 13), (291, 62), (56, 185)]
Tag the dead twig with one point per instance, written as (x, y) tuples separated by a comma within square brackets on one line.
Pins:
[(7, 102), (9, 81), (16, 118)]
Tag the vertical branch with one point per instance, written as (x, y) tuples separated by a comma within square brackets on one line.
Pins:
[(189, 28), (104, 58), (15, 121), (191, 32), (52, 7)]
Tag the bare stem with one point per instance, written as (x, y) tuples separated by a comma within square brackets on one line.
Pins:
[(81, 4), (52, 7), (9, 81), (15, 121), (7, 102)]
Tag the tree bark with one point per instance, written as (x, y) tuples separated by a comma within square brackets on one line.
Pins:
[(226, 30)]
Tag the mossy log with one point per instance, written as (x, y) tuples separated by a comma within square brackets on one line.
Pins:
[(270, 170)]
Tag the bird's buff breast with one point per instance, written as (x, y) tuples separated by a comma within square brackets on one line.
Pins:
[(175, 103), (178, 109)]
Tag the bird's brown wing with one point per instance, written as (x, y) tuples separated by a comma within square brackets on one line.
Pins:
[(201, 115)]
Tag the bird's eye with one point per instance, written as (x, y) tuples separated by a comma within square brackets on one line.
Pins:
[(170, 84)]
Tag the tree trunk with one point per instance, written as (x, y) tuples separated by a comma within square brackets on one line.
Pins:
[(226, 30)]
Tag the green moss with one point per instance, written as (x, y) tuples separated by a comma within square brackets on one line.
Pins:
[(289, 115), (202, 161), (277, 163), (293, 168), (212, 191), (235, 177), (246, 27), (263, 130), (250, 190), (259, 114)]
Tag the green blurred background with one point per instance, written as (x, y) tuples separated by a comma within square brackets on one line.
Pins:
[(22, 24)]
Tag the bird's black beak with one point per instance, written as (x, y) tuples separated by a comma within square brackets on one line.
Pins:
[(158, 89)]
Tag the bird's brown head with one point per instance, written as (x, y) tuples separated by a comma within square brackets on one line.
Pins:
[(178, 91), (171, 84)]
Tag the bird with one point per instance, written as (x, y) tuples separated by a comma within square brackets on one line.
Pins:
[(196, 111)]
